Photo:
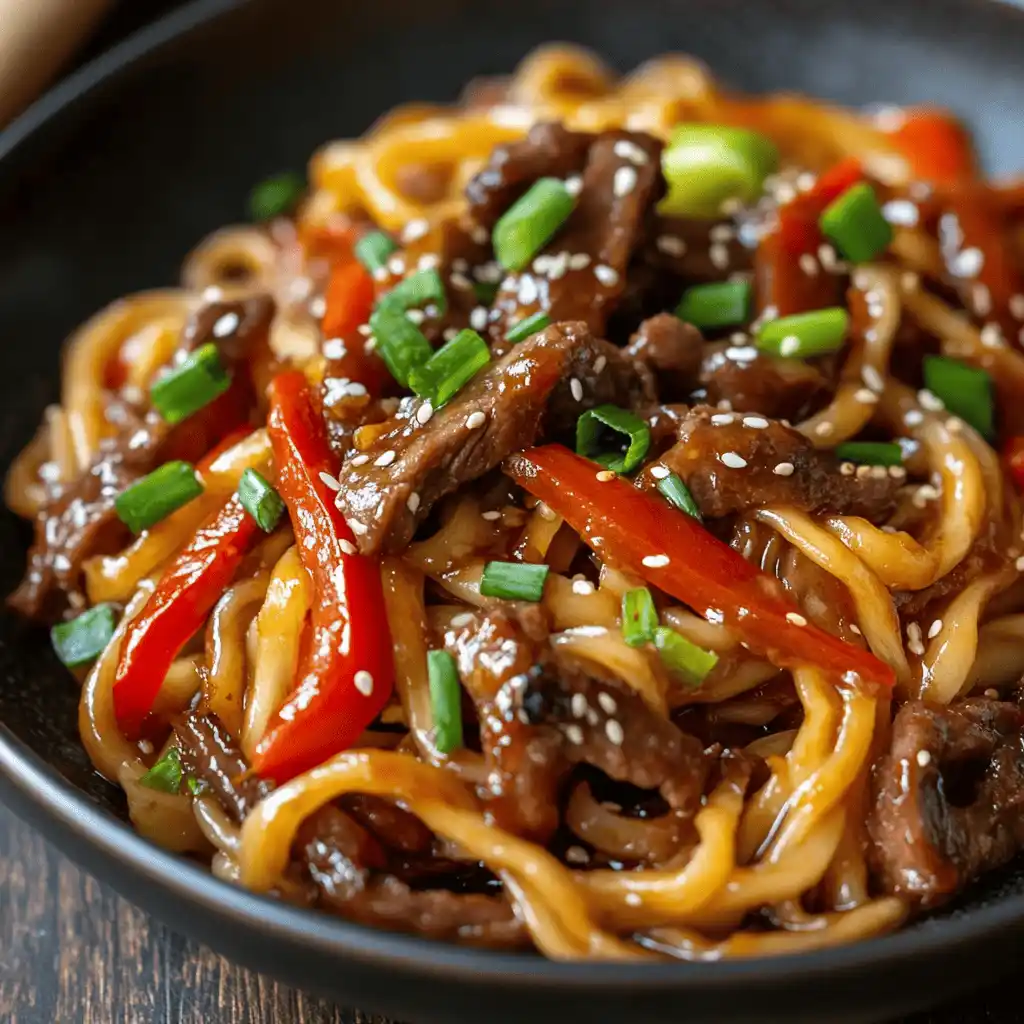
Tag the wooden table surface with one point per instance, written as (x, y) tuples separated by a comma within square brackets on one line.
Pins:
[(72, 952)]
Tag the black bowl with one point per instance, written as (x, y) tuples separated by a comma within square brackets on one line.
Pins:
[(107, 182)]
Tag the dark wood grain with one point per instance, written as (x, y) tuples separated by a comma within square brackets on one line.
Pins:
[(71, 951)]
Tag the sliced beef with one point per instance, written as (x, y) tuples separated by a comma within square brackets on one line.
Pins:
[(388, 489), (750, 381), (731, 463), (948, 796), (79, 520), (582, 273), (696, 251), (672, 351)]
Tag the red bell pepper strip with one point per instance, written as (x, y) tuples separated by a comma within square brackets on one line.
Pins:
[(781, 282), (1013, 459), (347, 674), (636, 531), (177, 608), (936, 146)]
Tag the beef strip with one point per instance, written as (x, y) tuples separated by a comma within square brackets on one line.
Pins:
[(671, 350), (750, 381), (948, 796), (389, 488), (80, 520), (771, 464), (621, 184), (347, 861)]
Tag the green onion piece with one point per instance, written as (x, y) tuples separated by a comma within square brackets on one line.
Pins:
[(525, 227), (190, 386), (855, 223), (678, 494), (445, 700), (613, 437), (805, 334), (276, 196), (83, 639), (528, 327), (157, 495), (418, 290), (871, 453), (723, 304), (683, 658), (514, 581), (450, 368), (639, 617), (260, 500), (195, 786), (485, 291), (167, 774), (400, 343), (373, 250), (706, 165), (965, 391)]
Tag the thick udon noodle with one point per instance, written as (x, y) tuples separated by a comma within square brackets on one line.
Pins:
[(801, 829)]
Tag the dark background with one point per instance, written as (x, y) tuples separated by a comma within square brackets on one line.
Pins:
[(72, 951)]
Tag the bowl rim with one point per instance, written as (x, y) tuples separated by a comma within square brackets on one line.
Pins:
[(58, 806)]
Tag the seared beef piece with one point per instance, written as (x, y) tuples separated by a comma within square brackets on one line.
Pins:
[(621, 184), (501, 411), (210, 755), (758, 448), (395, 828), (665, 422), (79, 520), (549, 150), (948, 796), (671, 350), (696, 251), (750, 381)]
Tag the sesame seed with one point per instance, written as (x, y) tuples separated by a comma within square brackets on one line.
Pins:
[(722, 233), (225, 325), (600, 363), (463, 282), (608, 276), (670, 245), (478, 318), (755, 422), (769, 313), (475, 419), (935, 628), (659, 472), (930, 401), (489, 272), (528, 291), (865, 396), (578, 705), (863, 472), (1019, 564), (330, 481), (723, 419), (982, 299), (429, 261), (582, 587), (630, 151), (854, 628), (462, 619), (479, 234), (576, 388), (424, 412), (897, 473), (992, 336), (386, 459), (806, 180), (573, 184), (577, 855), (741, 354), (872, 378), (733, 460), (605, 475), (607, 702), (914, 642), (415, 229), (954, 425), (397, 264), (790, 345), (909, 281), (574, 734), (334, 348), (613, 730), (902, 212), (924, 758), (359, 460), (624, 181), (633, 899), (784, 469), (655, 561), (719, 255), (347, 547), (796, 619), (558, 266), (824, 429), (809, 265), (1017, 306), (415, 316), (579, 261), (358, 528), (967, 263), (380, 274), (828, 257), (924, 494), (914, 418)]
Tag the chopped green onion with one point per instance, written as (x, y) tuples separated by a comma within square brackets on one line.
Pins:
[(525, 227), (445, 700), (157, 495), (276, 196), (965, 391), (683, 658), (373, 250), (528, 327), (450, 368), (613, 437), (190, 386), (400, 343), (418, 290), (485, 291), (639, 617), (514, 581), (195, 786), (805, 334), (167, 774), (855, 223), (260, 500), (678, 494), (722, 304), (84, 639), (871, 453), (706, 165)]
